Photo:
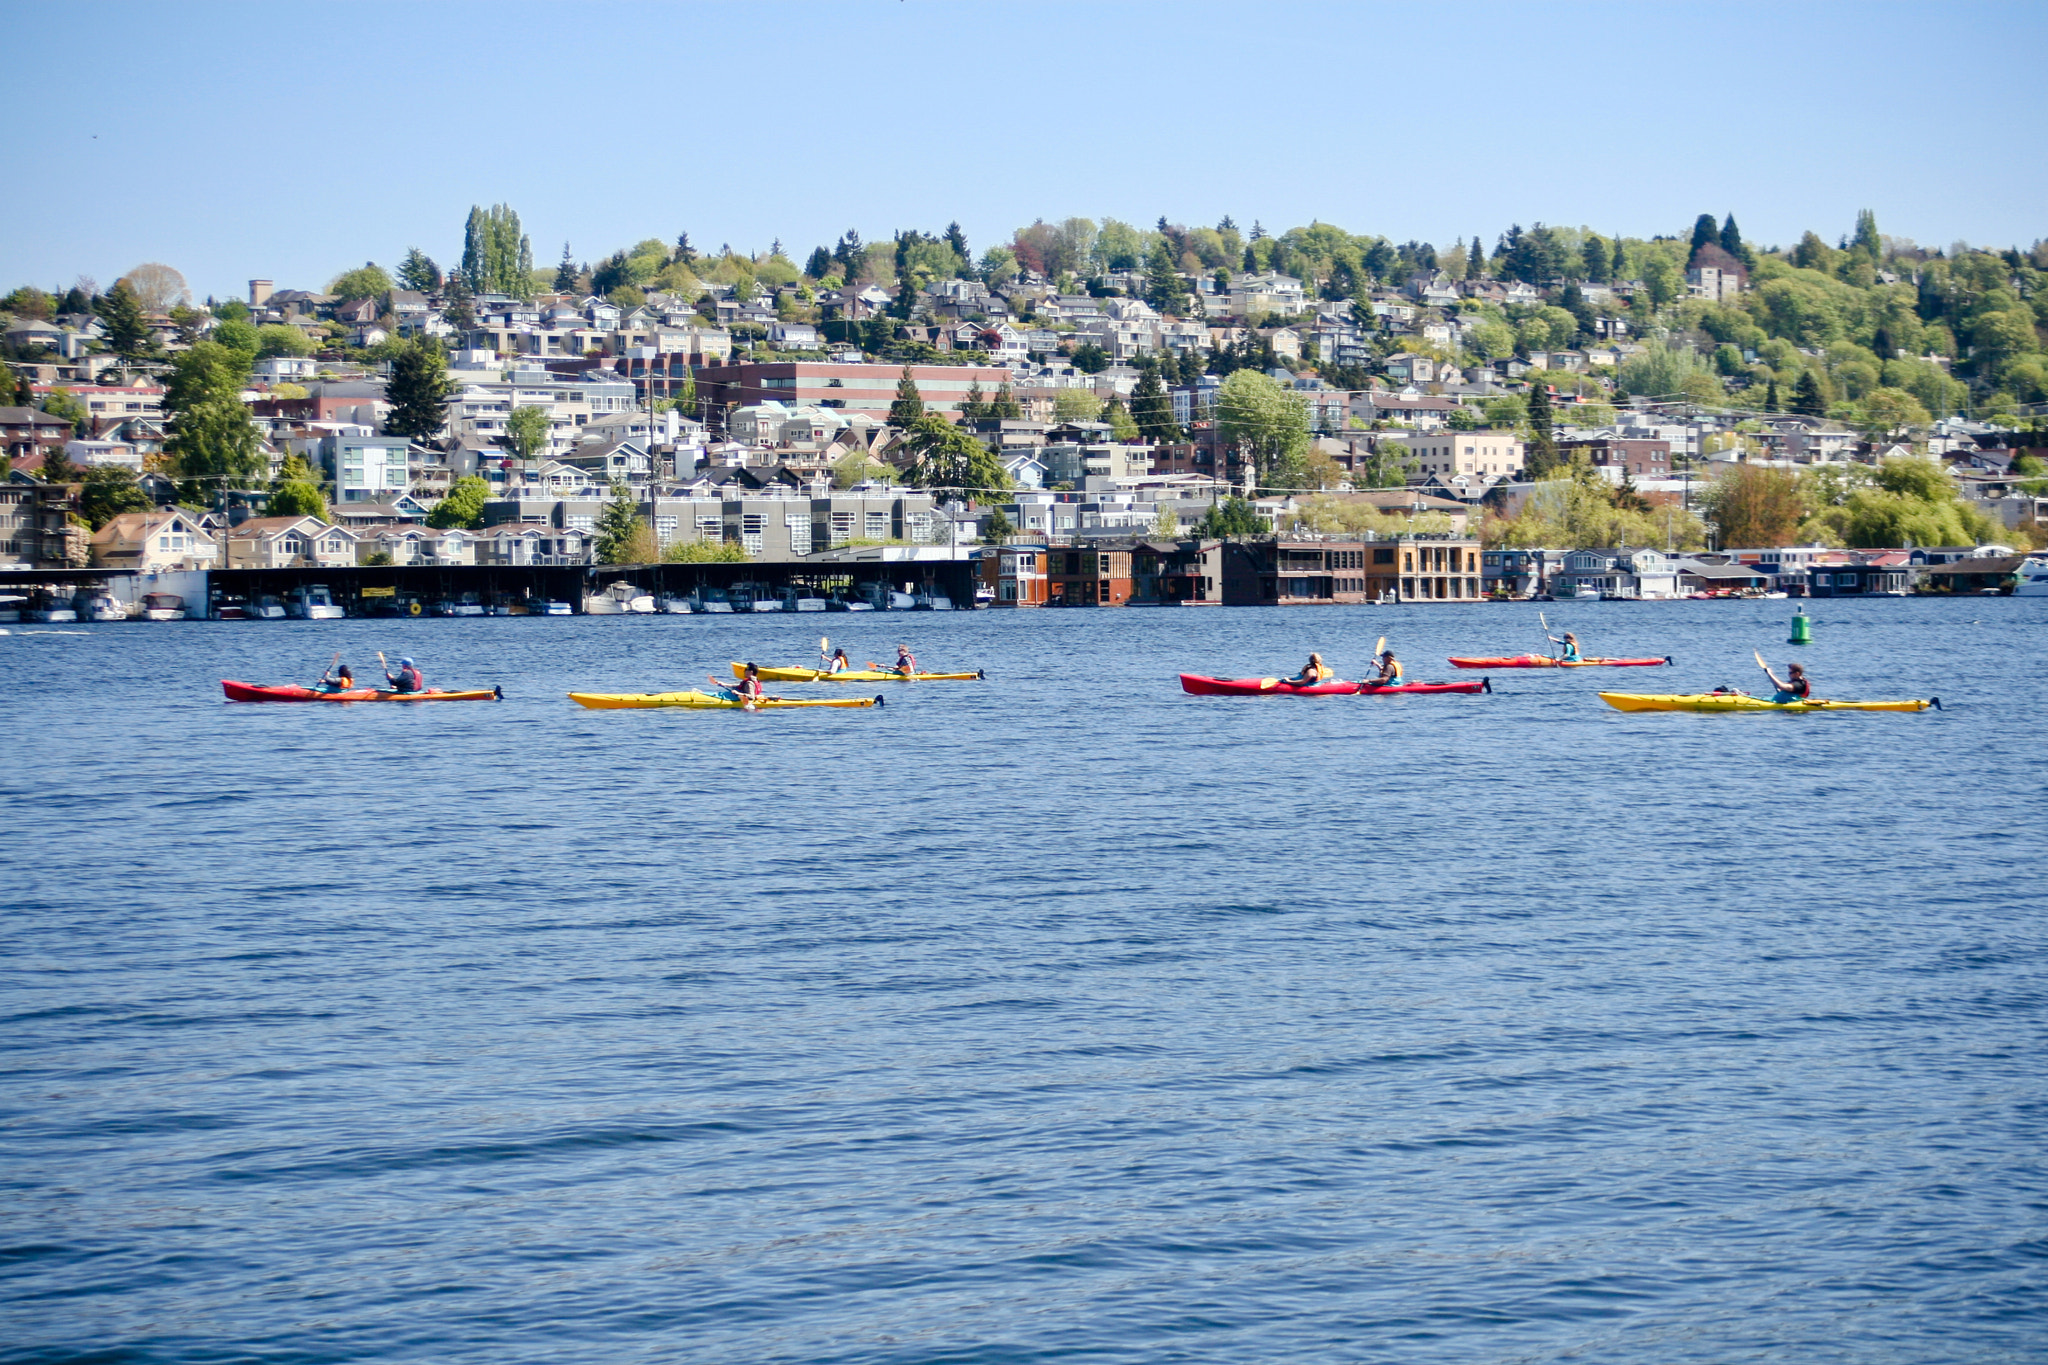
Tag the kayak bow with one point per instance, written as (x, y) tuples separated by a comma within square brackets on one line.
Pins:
[(1717, 702), (241, 691)]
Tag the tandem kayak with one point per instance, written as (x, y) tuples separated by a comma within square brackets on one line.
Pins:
[(1742, 701), (241, 691), (1201, 686), (853, 675), (628, 701), (1545, 661)]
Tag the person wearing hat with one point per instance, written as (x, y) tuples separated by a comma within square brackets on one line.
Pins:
[(408, 678), (1390, 670)]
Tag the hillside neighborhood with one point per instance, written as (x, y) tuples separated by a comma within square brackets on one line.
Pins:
[(1092, 412)]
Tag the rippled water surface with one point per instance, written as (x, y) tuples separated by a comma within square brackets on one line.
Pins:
[(1060, 1016)]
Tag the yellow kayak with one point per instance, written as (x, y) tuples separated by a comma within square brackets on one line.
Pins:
[(625, 701), (852, 675), (1741, 701)]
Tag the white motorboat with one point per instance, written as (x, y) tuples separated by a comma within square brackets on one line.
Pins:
[(162, 606), (314, 602), (801, 599), (711, 601), (882, 597), (267, 608), (671, 605), (754, 597), (931, 601), (99, 606), (11, 605), (619, 599), (2031, 578), (542, 606), (47, 607), (837, 603), (984, 598)]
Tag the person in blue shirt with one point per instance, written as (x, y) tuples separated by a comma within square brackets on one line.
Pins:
[(1571, 647), (1796, 687)]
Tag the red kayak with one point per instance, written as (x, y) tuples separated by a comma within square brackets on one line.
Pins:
[(241, 691), (1202, 686), (1545, 661)]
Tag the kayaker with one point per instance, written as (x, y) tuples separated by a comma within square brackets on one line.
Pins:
[(906, 662), (1571, 647), (341, 679), (1390, 671), (1794, 688), (1313, 672), (750, 685), (408, 678), (839, 663)]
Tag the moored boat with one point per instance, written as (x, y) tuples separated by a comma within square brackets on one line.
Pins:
[(241, 691), (314, 602), (853, 675), (1716, 702), (707, 701), (1545, 661), (162, 606), (1201, 686)]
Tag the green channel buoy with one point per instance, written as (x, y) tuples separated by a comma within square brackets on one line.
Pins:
[(1802, 628)]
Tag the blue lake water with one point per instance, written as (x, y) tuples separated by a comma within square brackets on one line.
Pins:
[(1060, 1016)]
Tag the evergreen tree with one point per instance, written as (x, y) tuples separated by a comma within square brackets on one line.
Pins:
[(957, 239), (1475, 260), (565, 273), (474, 250), (1771, 395), (1251, 261), (685, 253), (617, 526), (1731, 237), (820, 264), (972, 408), (418, 391), (1164, 288), (1004, 406), (1542, 454), (75, 301), (909, 404), (418, 272), (1152, 406), (461, 310), (1594, 255), (1705, 230), (1867, 240), (127, 329), (1807, 399), (1619, 270), (1882, 343), (496, 257)]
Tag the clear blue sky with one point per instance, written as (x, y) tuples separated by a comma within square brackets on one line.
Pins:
[(294, 141)]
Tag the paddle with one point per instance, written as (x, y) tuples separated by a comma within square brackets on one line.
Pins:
[(746, 702), (1379, 648), (330, 665)]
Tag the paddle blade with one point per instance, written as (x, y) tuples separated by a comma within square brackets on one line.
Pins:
[(824, 645), (1380, 648), (1268, 684), (1760, 660)]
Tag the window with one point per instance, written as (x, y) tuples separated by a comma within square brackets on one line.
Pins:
[(798, 524), (878, 526)]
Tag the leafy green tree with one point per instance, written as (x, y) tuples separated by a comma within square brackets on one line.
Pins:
[(855, 467), (1886, 411), (109, 491), (64, 403), (1076, 405), (1152, 406), (1267, 423), (1121, 424), (463, 507), (368, 282), (1089, 358), (908, 406), (618, 526), (1754, 505), (24, 390), (526, 432), (209, 436), (296, 498), (418, 272), (951, 463), (1807, 399), (497, 258), (418, 391), (706, 552), (273, 338), (1540, 459), (1867, 240), (128, 332), (998, 527)]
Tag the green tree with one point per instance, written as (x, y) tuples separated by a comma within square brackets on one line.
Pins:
[(1152, 406), (1234, 517), (706, 552), (1704, 230), (909, 405), (1771, 399), (951, 463), (1164, 288), (418, 391), (368, 282), (1090, 358), (1475, 260), (1268, 424), (496, 257), (209, 436), (998, 527), (566, 275), (973, 408), (526, 432), (109, 491), (1540, 460), (418, 271), (1807, 399), (273, 338), (64, 403), (463, 506), (1122, 427), (618, 526), (296, 498), (1753, 505), (1076, 405), (1886, 411), (128, 332), (855, 467), (1731, 239)]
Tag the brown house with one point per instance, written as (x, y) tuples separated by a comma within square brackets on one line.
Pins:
[(26, 431), (1092, 577)]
